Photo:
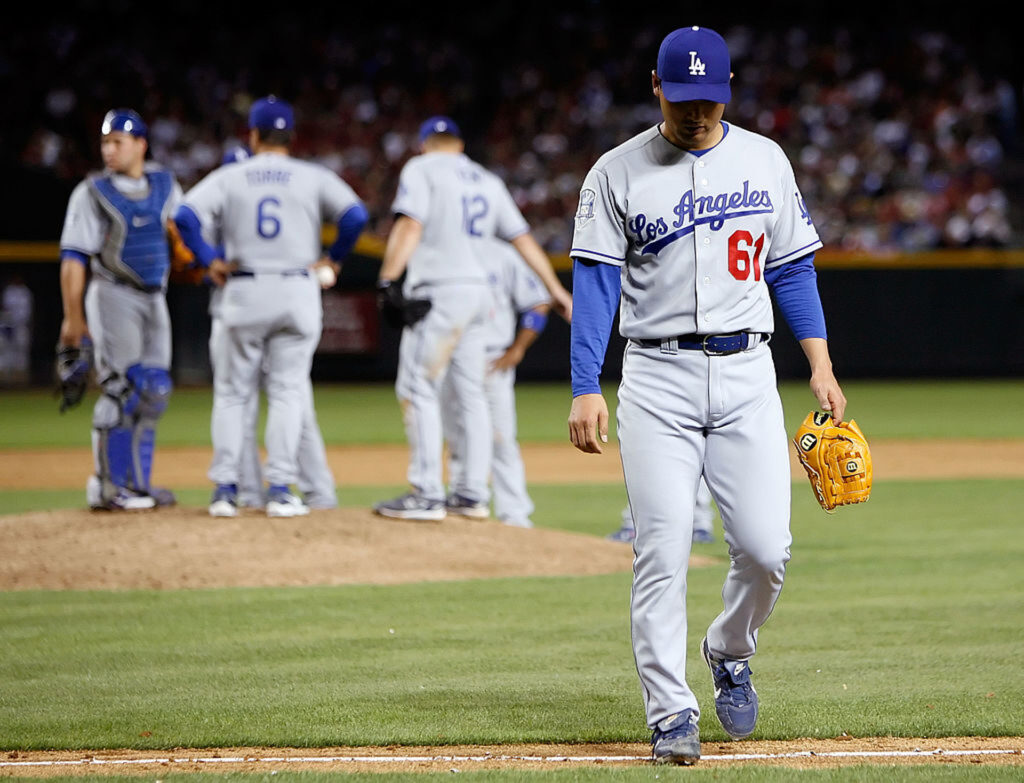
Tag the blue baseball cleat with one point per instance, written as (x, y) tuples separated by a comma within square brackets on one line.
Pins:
[(735, 697), (624, 535), (224, 502), (282, 503), (676, 740)]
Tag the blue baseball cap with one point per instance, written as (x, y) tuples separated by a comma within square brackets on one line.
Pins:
[(693, 65), (235, 155), (271, 113), (125, 121), (439, 124)]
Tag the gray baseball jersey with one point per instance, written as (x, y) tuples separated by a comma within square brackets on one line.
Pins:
[(268, 210), (261, 225), (693, 234), (515, 288), (460, 204), (694, 250)]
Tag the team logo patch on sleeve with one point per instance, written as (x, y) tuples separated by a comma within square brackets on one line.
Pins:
[(585, 212)]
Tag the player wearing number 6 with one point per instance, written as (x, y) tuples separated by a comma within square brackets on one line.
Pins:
[(269, 210), (687, 227)]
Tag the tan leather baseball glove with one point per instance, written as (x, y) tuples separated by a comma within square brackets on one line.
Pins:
[(837, 459)]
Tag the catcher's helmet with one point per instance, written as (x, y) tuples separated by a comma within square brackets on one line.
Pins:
[(124, 120)]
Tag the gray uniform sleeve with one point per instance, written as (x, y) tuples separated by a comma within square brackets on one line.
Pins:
[(794, 234), (527, 290), (509, 220), (206, 199), (413, 196), (600, 233), (173, 201), (84, 223)]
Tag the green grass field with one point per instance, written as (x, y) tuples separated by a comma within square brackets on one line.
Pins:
[(902, 617)]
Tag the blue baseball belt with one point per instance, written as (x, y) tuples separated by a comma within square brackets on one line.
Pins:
[(710, 344)]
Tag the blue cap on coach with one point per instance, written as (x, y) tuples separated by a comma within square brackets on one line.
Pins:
[(271, 113), (439, 124), (693, 65), (124, 120)]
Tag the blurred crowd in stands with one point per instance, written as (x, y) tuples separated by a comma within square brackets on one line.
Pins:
[(903, 140)]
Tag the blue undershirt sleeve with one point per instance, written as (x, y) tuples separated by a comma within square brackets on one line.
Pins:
[(350, 226), (75, 255), (595, 296), (795, 286), (192, 235)]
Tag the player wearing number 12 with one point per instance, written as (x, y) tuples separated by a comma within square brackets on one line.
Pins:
[(690, 223), (448, 208)]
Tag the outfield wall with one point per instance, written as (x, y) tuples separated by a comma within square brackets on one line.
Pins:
[(941, 314)]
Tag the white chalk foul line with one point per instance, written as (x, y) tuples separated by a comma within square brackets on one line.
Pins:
[(457, 759)]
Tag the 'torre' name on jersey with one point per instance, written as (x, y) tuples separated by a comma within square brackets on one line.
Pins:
[(268, 177)]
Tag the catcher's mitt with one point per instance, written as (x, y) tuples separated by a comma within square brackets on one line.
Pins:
[(837, 459), (72, 370), (397, 310)]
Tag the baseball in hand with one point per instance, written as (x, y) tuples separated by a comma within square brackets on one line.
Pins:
[(326, 276)]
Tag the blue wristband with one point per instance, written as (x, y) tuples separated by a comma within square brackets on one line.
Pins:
[(533, 319)]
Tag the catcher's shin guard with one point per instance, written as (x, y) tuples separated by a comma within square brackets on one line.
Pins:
[(153, 388), (114, 463)]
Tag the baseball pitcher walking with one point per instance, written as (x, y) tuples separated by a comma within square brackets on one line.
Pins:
[(116, 227), (270, 209), (686, 227)]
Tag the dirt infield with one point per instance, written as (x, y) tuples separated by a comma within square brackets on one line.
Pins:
[(795, 754), (185, 548), (546, 463), (182, 547)]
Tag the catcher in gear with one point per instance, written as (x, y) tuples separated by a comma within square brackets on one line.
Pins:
[(837, 459), (115, 259)]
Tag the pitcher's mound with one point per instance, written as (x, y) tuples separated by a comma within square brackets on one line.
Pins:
[(186, 548)]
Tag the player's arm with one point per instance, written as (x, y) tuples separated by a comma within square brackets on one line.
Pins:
[(596, 290), (73, 276), (533, 254), (349, 226), (403, 240), (531, 324), (795, 287), (206, 255)]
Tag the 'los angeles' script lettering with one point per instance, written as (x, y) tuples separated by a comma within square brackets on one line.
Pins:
[(691, 208)]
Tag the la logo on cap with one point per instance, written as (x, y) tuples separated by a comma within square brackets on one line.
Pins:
[(694, 64), (697, 67)]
